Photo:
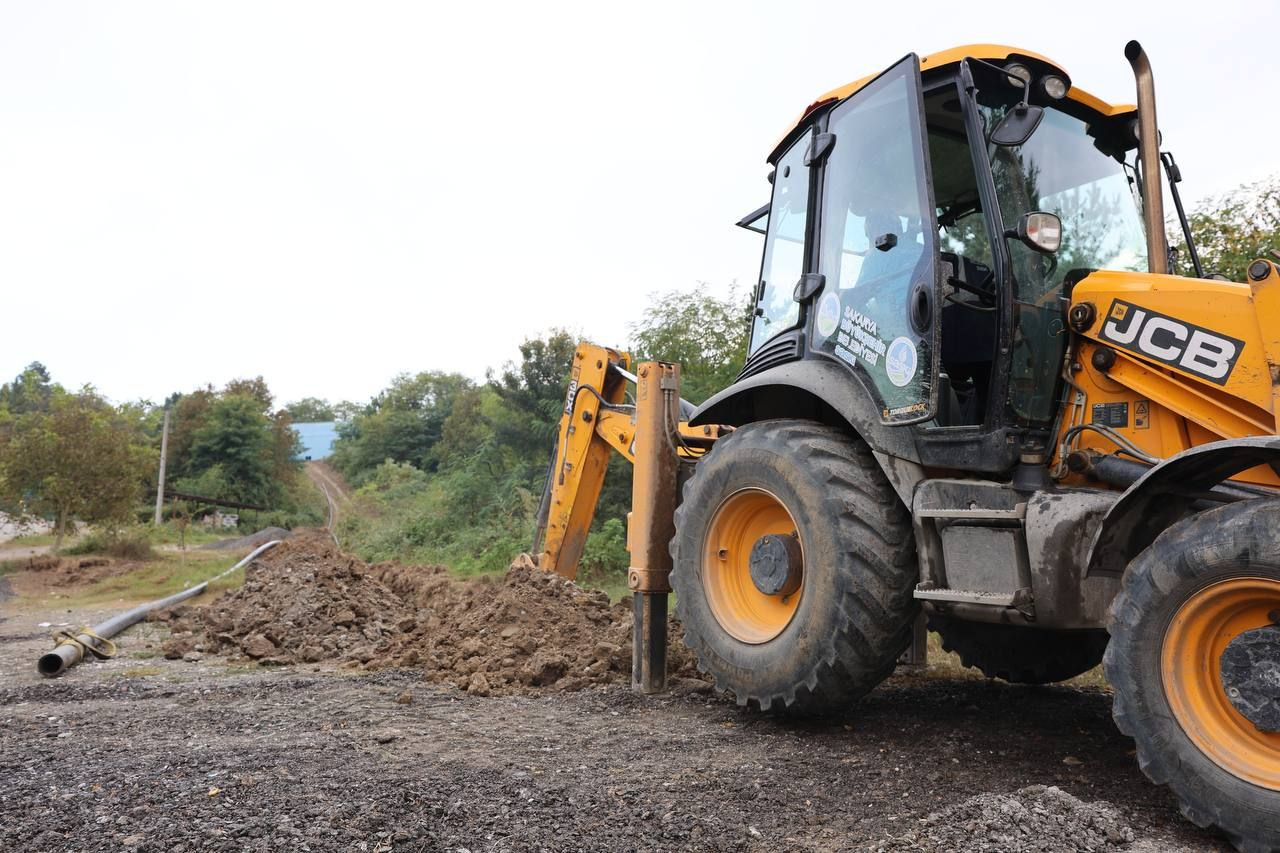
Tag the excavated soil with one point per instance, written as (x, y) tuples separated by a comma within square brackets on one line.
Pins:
[(75, 571), (307, 602)]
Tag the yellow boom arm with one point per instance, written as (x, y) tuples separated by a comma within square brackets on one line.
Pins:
[(648, 432), (597, 418)]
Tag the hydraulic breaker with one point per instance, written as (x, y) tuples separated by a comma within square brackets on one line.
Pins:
[(651, 523)]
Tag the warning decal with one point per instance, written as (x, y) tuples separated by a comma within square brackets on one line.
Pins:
[(1141, 414)]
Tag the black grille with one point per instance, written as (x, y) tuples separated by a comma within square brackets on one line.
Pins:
[(778, 351)]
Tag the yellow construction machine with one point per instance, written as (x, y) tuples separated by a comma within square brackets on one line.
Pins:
[(976, 393)]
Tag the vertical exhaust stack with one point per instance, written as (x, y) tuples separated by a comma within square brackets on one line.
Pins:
[(1149, 154)]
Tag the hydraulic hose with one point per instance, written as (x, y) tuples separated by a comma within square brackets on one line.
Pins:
[(97, 640)]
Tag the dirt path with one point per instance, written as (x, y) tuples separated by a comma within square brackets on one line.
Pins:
[(22, 552), (335, 490), (149, 754)]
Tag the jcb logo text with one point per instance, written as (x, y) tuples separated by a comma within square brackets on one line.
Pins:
[(1174, 342)]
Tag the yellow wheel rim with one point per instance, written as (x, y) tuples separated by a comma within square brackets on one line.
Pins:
[(745, 612), (1190, 666)]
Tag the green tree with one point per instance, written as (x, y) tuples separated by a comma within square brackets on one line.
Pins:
[(80, 459), (189, 413), (310, 410), (401, 424), (1234, 229), (468, 430), (345, 410), (30, 391), (533, 392), (706, 335), (237, 438), (255, 389)]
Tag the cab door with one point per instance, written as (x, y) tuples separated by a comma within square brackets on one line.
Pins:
[(877, 311)]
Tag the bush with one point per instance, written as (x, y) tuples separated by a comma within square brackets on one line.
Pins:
[(126, 543), (605, 558)]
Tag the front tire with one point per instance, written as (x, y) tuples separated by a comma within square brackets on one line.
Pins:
[(1203, 583), (834, 627)]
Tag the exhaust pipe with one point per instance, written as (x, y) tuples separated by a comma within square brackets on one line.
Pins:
[(1149, 155), (71, 647)]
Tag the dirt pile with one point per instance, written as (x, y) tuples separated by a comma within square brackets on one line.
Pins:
[(300, 602), (1032, 820), (305, 601), (73, 571)]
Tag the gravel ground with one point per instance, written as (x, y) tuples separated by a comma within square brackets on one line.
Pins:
[(176, 755)]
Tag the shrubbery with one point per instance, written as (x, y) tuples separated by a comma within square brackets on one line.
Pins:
[(126, 543), (452, 472)]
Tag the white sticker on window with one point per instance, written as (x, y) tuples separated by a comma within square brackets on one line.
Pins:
[(828, 315), (900, 361)]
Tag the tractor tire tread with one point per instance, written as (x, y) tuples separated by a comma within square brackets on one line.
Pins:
[(875, 607), (1187, 554)]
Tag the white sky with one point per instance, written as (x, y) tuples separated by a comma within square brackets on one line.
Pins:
[(328, 194)]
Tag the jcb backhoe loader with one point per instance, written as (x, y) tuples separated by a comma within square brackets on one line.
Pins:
[(977, 394)]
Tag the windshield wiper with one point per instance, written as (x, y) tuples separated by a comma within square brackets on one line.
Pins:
[(1175, 177)]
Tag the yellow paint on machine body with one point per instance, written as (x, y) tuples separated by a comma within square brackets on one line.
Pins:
[(1194, 360)]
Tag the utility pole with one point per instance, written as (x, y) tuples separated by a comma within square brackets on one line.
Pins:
[(164, 454)]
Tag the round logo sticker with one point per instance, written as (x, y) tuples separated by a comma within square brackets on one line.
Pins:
[(900, 361), (828, 315)]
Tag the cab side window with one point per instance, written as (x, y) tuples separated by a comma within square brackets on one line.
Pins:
[(776, 308), (876, 310)]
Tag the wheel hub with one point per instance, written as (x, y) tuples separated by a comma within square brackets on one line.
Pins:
[(775, 564), (1250, 672), (752, 566), (1220, 668)]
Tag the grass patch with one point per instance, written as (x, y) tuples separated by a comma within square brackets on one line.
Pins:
[(138, 672), (171, 533), (34, 540), (617, 590), (131, 543), (168, 573)]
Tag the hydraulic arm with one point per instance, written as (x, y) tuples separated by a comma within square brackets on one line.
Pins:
[(649, 432)]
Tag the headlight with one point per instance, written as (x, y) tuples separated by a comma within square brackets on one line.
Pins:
[(1017, 69), (1054, 86)]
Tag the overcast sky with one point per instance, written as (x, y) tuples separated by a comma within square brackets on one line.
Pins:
[(329, 194)]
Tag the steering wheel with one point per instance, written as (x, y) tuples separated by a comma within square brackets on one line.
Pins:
[(982, 289)]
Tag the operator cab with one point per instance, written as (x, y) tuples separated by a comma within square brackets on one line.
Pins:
[(879, 251)]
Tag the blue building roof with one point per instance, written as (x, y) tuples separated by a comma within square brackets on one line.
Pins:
[(317, 439)]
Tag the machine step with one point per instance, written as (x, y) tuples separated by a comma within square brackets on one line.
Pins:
[(991, 599)]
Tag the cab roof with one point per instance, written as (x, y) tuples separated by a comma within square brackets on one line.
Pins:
[(953, 56)]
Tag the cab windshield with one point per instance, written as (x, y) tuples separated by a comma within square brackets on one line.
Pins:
[(1069, 168), (1061, 169)]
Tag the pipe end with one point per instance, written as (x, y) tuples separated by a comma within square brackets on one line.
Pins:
[(51, 665), (1132, 50)]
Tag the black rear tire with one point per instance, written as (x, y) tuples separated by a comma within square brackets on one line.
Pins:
[(1186, 563), (855, 611), (1018, 654)]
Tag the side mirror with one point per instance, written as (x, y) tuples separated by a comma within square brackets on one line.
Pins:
[(1040, 231), (1017, 125)]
